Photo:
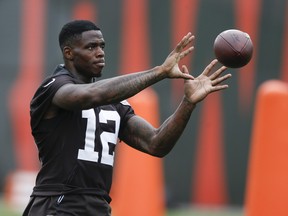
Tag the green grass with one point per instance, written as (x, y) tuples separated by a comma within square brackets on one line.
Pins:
[(5, 211), (197, 211)]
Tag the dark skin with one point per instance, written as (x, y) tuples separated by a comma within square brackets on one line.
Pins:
[(85, 60)]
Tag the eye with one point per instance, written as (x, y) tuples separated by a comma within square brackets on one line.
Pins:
[(90, 48), (102, 46)]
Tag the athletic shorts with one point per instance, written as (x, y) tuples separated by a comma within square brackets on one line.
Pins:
[(68, 205)]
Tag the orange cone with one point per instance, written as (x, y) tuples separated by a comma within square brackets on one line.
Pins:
[(31, 64), (138, 187), (138, 180), (209, 186), (267, 182)]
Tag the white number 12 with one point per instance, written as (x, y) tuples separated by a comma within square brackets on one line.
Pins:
[(89, 153)]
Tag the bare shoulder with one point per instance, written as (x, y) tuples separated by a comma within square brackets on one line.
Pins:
[(73, 96), (60, 95)]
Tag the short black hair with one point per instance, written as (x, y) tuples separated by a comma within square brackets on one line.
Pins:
[(73, 30)]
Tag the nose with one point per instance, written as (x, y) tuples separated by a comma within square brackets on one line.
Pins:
[(100, 53)]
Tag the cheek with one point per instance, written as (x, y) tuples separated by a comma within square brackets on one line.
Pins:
[(82, 60)]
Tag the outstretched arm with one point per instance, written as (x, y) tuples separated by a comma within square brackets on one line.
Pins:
[(159, 141), (115, 89)]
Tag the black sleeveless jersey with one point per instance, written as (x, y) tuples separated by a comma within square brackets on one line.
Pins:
[(76, 148)]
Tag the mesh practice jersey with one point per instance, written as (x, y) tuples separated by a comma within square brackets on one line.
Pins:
[(76, 148)]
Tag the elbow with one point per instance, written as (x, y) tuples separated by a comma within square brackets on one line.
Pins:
[(159, 153), (160, 150)]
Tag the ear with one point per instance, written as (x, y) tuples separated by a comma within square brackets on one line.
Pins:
[(68, 53)]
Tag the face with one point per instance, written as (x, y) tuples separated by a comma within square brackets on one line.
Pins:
[(88, 54)]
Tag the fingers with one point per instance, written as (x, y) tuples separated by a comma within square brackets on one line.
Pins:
[(219, 87), (185, 69), (186, 52), (184, 42), (216, 77), (209, 67), (188, 39), (220, 79), (215, 74), (187, 76), (218, 72), (186, 73)]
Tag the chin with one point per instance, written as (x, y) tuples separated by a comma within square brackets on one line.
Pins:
[(97, 72), (97, 75)]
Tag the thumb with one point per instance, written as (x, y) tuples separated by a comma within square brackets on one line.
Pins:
[(186, 72)]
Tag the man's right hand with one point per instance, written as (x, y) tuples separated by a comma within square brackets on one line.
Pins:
[(170, 65)]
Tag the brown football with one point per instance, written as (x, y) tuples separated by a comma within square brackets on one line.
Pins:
[(233, 48)]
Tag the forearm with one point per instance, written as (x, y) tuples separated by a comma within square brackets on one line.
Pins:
[(171, 130), (141, 135), (122, 87), (106, 91)]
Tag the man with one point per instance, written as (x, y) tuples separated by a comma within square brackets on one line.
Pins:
[(76, 122)]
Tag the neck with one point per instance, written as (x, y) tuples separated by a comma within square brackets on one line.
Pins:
[(77, 75)]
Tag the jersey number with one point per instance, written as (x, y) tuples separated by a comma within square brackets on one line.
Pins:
[(106, 138)]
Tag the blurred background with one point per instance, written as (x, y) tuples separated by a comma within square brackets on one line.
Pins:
[(208, 166)]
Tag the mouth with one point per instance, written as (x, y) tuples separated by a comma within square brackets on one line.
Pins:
[(100, 63)]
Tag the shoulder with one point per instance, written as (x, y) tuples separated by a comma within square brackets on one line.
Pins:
[(125, 103), (50, 85)]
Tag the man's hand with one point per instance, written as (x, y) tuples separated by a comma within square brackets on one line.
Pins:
[(170, 65), (197, 89)]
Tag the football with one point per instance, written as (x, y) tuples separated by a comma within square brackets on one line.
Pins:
[(233, 48)]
